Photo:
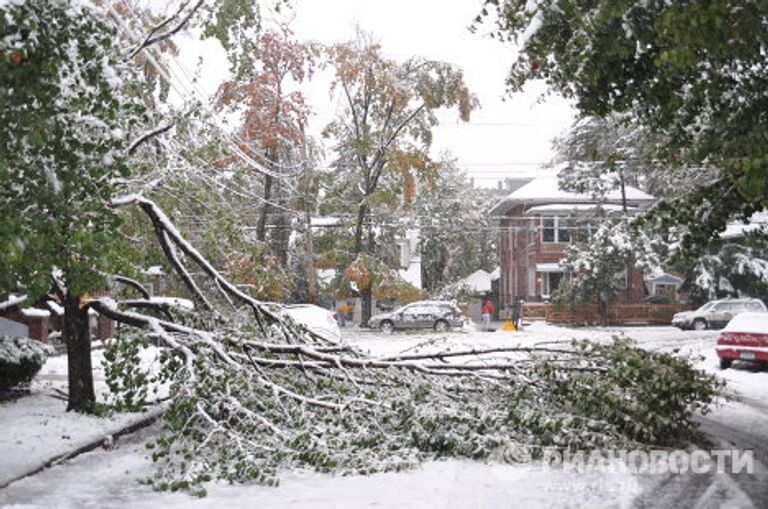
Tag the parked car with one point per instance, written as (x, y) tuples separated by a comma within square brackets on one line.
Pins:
[(715, 314), (316, 319), (425, 314), (744, 338)]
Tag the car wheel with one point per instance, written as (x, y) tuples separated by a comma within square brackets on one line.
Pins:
[(387, 327), (725, 363), (699, 324), (441, 326)]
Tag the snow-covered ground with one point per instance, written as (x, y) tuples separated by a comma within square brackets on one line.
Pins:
[(110, 478), (36, 428)]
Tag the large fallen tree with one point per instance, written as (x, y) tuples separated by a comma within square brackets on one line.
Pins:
[(252, 392)]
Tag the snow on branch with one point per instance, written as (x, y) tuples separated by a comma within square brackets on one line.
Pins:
[(11, 301), (148, 136), (154, 37), (249, 399)]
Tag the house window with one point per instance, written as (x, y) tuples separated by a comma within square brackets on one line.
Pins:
[(621, 280), (666, 290), (555, 229), (563, 232), (548, 229), (549, 282)]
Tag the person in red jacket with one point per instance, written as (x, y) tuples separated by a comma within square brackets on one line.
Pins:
[(487, 312)]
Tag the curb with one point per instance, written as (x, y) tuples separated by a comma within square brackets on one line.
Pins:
[(88, 446)]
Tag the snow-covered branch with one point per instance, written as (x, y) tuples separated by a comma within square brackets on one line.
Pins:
[(183, 18)]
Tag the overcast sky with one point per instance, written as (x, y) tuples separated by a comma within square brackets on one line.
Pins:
[(504, 138)]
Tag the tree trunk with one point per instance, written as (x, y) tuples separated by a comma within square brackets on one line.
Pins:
[(362, 211), (309, 249), (601, 309), (261, 228), (366, 304), (282, 230), (365, 294), (77, 337)]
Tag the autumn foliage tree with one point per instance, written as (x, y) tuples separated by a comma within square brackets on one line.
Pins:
[(384, 130), (274, 113)]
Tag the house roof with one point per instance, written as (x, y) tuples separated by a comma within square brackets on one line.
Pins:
[(546, 190), (571, 207), (737, 230), (666, 279), (479, 281)]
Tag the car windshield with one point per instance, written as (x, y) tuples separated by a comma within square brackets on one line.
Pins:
[(707, 306), (400, 309)]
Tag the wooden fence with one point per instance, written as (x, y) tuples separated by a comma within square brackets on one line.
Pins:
[(616, 314)]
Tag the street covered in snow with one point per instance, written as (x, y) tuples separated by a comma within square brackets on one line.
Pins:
[(112, 478), (247, 246)]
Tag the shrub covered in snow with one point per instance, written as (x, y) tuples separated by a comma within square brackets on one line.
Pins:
[(20, 360)]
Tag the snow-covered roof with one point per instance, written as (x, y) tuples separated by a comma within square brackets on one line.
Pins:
[(738, 229), (325, 221), (546, 190), (665, 279), (572, 207), (479, 281)]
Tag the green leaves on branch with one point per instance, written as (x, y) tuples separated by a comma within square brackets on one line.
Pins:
[(693, 72)]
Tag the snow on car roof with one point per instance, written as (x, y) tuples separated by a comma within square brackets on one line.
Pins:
[(753, 323)]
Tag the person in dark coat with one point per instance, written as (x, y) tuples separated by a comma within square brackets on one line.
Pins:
[(517, 313)]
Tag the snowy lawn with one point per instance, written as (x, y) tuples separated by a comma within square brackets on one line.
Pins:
[(38, 424), (37, 428)]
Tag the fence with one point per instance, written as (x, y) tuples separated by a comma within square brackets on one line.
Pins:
[(615, 314)]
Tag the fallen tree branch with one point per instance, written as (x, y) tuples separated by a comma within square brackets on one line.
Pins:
[(248, 400), (133, 284)]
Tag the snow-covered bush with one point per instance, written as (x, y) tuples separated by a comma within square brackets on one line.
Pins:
[(616, 244), (20, 360)]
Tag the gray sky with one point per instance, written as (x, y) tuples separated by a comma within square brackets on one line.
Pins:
[(503, 138)]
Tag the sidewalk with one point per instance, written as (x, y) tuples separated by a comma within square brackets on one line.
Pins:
[(38, 432)]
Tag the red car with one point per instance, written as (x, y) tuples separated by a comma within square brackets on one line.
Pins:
[(744, 338)]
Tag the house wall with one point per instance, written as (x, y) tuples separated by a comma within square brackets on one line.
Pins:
[(522, 248)]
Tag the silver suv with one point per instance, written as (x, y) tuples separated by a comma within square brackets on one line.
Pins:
[(715, 314), (425, 314)]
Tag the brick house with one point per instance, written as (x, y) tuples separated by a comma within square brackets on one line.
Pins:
[(536, 220)]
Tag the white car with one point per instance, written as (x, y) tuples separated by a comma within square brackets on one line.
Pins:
[(318, 320), (715, 314)]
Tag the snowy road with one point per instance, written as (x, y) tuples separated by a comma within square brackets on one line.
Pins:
[(107, 479)]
